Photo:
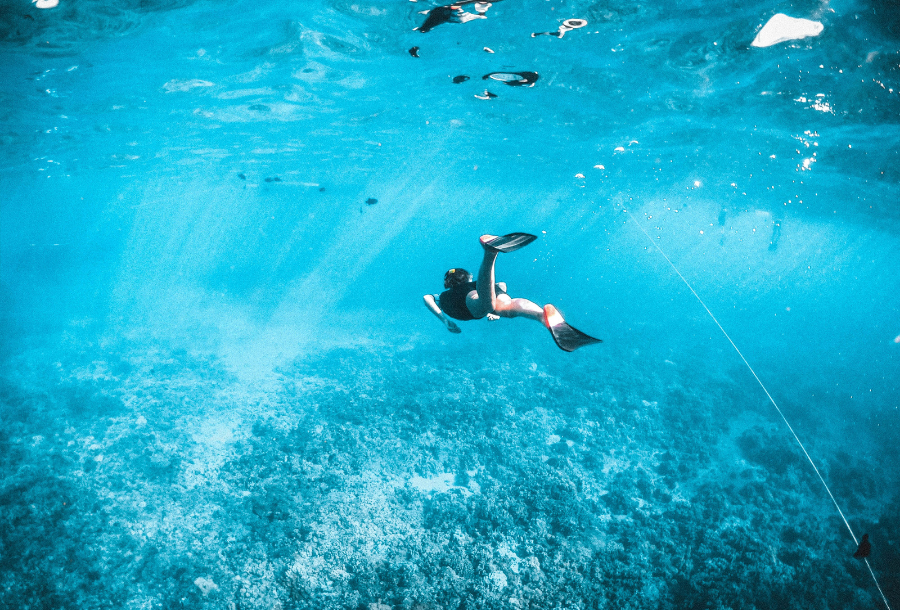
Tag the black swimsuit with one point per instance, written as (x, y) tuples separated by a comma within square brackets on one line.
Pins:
[(453, 302)]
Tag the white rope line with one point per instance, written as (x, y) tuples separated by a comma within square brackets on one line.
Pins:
[(772, 400)]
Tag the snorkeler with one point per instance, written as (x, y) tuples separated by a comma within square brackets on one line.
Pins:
[(454, 13), (567, 26), (513, 79), (465, 299)]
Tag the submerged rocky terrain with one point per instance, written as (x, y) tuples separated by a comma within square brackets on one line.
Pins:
[(136, 476)]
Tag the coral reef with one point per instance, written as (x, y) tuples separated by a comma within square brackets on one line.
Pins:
[(137, 477)]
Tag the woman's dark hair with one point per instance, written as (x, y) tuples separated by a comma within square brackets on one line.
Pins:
[(455, 277)]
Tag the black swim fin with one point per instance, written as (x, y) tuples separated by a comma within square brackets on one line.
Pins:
[(864, 549), (566, 337), (510, 242)]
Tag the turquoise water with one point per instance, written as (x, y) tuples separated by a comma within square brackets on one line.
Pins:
[(220, 387)]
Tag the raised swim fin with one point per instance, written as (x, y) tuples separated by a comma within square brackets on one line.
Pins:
[(510, 242), (566, 337)]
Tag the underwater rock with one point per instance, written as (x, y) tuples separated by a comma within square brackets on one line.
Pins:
[(781, 28), (460, 79), (273, 179), (371, 201)]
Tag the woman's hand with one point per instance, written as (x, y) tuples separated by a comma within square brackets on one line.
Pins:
[(453, 328)]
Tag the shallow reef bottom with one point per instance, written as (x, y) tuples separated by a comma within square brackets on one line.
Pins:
[(136, 476)]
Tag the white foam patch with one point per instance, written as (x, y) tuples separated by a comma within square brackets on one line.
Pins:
[(781, 28)]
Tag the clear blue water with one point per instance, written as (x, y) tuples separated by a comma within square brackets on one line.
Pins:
[(220, 388)]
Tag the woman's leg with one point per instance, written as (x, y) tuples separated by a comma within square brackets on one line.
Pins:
[(482, 301), (507, 307), (485, 300)]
